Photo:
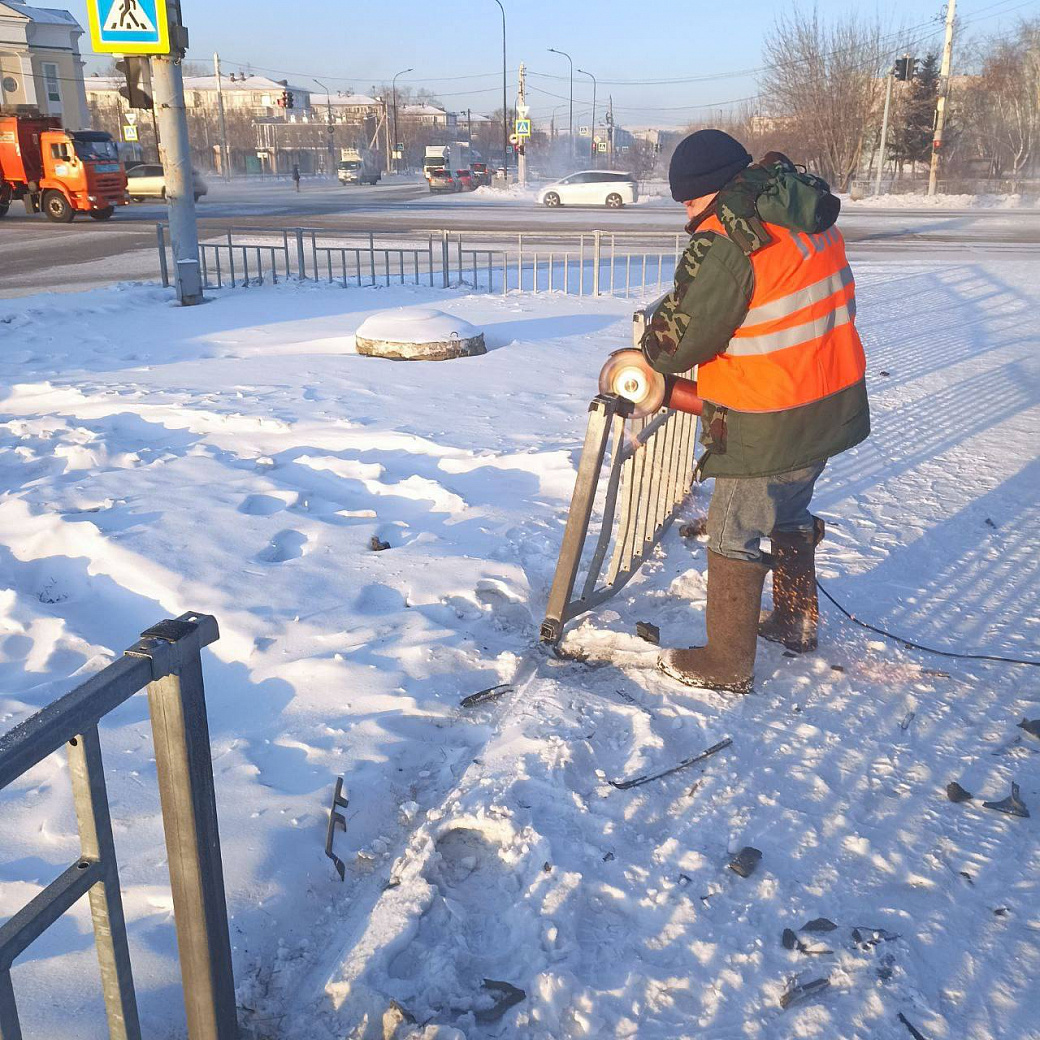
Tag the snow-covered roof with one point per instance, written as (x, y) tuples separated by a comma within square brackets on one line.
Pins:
[(341, 100), (239, 83), (423, 110), (40, 15)]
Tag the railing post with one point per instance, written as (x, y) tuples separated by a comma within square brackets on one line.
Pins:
[(9, 1027), (301, 257), (87, 773), (597, 246), (160, 234), (184, 766), (445, 261)]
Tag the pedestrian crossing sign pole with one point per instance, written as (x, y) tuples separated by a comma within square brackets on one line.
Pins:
[(129, 26)]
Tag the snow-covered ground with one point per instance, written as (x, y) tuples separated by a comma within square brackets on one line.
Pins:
[(921, 200), (239, 457)]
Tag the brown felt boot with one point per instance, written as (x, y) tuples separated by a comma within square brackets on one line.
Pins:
[(734, 599), (796, 609)]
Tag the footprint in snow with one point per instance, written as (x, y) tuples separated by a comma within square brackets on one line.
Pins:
[(286, 545), (261, 505)]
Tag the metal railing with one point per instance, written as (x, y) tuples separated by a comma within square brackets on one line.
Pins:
[(167, 660), (652, 463), (594, 263)]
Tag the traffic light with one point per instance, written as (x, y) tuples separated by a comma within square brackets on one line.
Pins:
[(138, 88), (905, 68), (287, 98)]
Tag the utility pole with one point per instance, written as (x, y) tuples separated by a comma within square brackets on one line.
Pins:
[(521, 149), (386, 135), (610, 130), (944, 90), (884, 132), (329, 129), (175, 153), (592, 129), (570, 123), (225, 157)]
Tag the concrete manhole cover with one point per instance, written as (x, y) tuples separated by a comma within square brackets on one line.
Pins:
[(418, 334)]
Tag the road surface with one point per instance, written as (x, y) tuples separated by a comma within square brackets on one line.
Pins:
[(37, 255)]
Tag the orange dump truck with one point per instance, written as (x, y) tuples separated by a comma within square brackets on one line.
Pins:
[(59, 172)]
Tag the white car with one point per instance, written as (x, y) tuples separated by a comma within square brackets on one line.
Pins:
[(591, 188), (146, 181)]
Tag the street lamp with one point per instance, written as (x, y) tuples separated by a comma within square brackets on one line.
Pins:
[(553, 50), (396, 135), (593, 158), (505, 103), (329, 129)]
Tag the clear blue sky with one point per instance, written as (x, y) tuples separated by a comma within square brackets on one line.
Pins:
[(455, 46)]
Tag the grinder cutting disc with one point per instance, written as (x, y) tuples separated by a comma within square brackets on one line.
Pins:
[(627, 374)]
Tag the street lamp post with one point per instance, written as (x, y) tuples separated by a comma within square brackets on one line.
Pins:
[(592, 129), (396, 135), (553, 50), (505, 102), (329, 129)]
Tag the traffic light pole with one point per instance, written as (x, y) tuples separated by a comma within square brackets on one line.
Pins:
[(884, 133), (175, 153)]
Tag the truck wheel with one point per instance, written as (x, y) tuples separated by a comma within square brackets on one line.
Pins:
[(57, 207), (102, 214), (4, 207)]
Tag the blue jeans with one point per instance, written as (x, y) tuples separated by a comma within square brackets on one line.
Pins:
[(744, 510)]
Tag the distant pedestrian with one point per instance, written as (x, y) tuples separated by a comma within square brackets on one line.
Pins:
[(296, 176)]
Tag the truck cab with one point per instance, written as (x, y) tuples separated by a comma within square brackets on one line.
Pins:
[(59, 172)]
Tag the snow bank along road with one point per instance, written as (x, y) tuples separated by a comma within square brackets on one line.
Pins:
[(238, 458), (37, 255)]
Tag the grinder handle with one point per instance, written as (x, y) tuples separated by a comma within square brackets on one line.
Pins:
[(681, 394)]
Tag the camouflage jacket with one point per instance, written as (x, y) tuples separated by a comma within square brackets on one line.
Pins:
[(714, 283)]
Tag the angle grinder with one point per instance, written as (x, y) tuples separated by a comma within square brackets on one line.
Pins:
[(627, 374)]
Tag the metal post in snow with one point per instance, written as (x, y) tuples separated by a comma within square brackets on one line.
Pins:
[(596, 253), (884, 133), (175, 153), (225, 155)]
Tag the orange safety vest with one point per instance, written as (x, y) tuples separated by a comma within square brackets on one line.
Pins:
[(798, 342)]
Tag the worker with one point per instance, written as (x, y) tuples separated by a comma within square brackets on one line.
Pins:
[(764, 304)]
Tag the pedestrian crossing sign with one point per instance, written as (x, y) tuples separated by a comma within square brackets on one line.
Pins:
[(128, 26), (523, 128)]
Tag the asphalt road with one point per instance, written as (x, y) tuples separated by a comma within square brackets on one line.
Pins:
[(37, 255)]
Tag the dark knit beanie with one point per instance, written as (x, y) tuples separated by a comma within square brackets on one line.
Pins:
[(705, 162)]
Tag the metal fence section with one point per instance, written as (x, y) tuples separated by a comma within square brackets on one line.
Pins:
[(167, 660), (650, 471), (594, 263)]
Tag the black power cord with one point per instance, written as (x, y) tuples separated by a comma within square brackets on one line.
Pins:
[(920, 646)]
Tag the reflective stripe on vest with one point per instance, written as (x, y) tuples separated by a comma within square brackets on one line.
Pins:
[(798, 342)]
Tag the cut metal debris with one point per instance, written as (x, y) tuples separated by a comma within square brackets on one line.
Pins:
[(872, 936), (340, 800), (956, 793), (638, 781), (803, 991), (508, 995), (1031, 726), (819, 924), (1012, 805), (492, 693), (746, 861), (907, 719), (789, 939), (651, 633), (915, 1033)]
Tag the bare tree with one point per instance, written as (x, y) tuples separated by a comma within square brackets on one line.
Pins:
[(823, 89), (1001, 106)]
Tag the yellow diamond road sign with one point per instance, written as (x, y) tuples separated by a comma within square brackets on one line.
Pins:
[(128, 26)]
